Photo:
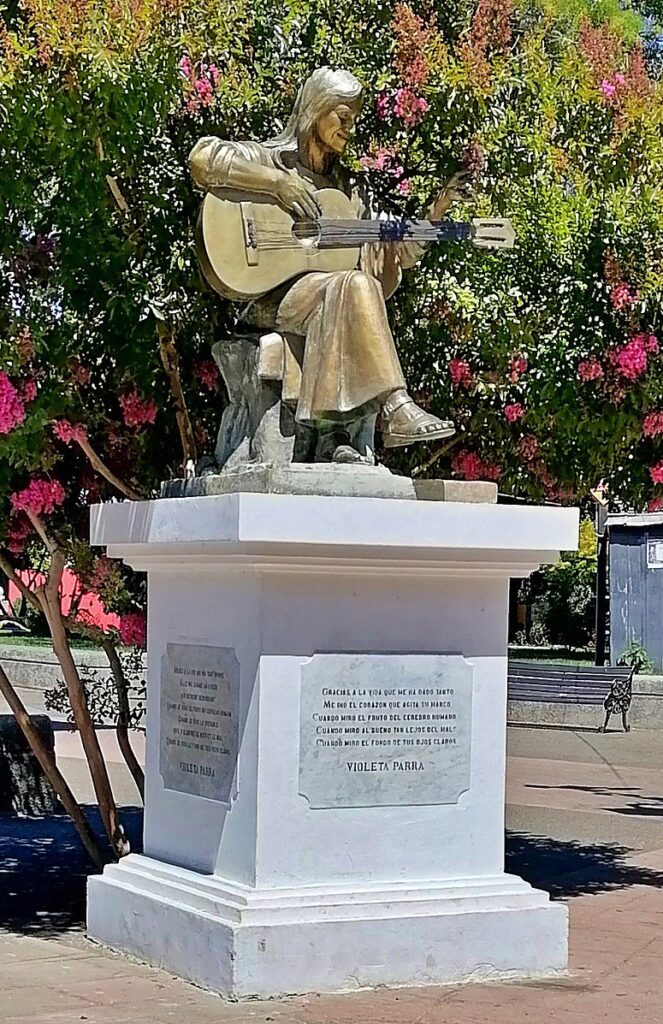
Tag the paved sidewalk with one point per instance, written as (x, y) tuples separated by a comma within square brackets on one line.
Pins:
[(586, 821)]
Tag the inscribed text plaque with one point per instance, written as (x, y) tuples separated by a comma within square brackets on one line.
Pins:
[(385, 729), (199, 720)]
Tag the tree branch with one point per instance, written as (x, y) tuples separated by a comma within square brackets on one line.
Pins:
[(49, 542), (51, 771), (170, 361), (100, 466), (97, 634), (24, 590), (124, 716), (437, 454)]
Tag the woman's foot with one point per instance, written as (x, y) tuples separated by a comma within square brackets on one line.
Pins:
[(334, 446), (404, 422), (346, 455)]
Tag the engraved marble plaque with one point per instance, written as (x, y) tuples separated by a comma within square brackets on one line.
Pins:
[(384, 729), (199, 720)]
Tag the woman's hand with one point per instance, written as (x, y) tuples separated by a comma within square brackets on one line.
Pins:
[(455, 189), (295, 194)]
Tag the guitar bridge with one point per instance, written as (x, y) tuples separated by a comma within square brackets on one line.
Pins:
[(250, 234)]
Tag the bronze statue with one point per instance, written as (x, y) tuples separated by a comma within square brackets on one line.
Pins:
[(340, 368)]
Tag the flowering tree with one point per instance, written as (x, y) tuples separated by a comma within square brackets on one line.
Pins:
[(547, 357)]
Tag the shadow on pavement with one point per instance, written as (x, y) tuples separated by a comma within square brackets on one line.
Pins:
[(44, 870), (567, 868), (645, 806)]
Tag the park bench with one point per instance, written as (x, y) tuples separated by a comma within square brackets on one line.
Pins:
[(609, 685)]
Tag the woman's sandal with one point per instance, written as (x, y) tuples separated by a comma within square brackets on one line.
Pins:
[(413, 425)]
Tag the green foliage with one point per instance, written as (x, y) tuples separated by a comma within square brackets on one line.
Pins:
[(562, 602), (101, 693), (636, 656), (97, 219), (587, 539)]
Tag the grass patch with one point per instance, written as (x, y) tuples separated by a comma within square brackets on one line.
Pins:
[(20, 640), (552, 655)]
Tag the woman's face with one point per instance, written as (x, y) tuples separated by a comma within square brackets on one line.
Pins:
[(336, 126)]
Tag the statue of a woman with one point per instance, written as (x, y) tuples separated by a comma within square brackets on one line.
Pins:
[(350, 369)]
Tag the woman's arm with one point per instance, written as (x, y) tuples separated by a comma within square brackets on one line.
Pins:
[(216, 164)]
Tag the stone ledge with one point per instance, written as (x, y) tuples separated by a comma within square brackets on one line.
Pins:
[(474, 491), (327, 480)]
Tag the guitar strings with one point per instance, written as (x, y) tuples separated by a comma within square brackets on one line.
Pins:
[(329, 238)]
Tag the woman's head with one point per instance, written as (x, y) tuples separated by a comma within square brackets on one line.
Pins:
[(326, 107)]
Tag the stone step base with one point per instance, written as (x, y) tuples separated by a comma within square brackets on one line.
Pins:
[(242, 942)]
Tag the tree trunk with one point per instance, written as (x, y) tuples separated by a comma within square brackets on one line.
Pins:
[(124, 717), (51, 771), (89, 739), (171, 365)]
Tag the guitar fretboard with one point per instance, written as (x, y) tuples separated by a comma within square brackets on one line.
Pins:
[(342, 234)]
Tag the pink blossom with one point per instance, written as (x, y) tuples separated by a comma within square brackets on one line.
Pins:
[(80, 374), (136, 410), (517, 366), (471, 466), (102, 572), (461, 373), (513, 412), (207, 373), (653, 424), (403, 187), (631, 360), (17, 534), (619, 78), (656, 473), (409, 107), (383, 106), (12, 410), (381, 161), (40, 497), (205, 89), (561, 493), (590, 369), (68, 432), (201, 81), (385, 160), (655, 505), (28, 390), (650, 341), (608, 88), (527, 447), (621, 296), (133, 629)]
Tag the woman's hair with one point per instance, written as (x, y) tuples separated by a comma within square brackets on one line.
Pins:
[(321, 92)]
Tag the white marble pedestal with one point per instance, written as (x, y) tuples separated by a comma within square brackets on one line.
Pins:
[(283, 858)]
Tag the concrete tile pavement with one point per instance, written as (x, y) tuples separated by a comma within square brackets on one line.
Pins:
[(616, 941)]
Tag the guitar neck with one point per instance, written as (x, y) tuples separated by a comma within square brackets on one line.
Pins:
[(349, 234)]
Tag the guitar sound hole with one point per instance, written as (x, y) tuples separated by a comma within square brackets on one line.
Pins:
[(307, 232)]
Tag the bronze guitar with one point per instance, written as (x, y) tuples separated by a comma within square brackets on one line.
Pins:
[(250, 245)]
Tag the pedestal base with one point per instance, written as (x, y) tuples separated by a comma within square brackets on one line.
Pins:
[(244, 942), (326, 743)]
